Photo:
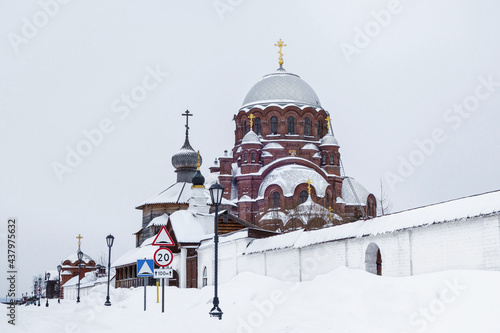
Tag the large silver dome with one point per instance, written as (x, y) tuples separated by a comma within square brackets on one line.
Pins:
[(281, 87)]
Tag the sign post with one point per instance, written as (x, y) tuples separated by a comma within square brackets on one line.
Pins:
[(145, 268), (163, 257)]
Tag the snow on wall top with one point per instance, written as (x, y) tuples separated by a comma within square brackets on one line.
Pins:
[(483, 204), (282, 241), (289, 176)]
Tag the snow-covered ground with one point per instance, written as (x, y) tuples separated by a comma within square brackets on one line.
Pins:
[(342, 301)]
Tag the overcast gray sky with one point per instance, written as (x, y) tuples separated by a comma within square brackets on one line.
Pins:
[(413, 88)]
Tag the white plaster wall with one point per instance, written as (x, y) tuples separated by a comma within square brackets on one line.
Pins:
[(467, 244)]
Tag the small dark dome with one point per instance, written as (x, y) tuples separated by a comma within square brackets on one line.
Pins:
[(198, 179)]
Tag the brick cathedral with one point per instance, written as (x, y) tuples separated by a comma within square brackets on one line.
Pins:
[(284, 171)]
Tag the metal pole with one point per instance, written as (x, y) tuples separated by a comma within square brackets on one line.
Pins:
[(79, 277), (59, 300), (157, 292), (144, 293), (162, 295), (108, 303), (216, 311)]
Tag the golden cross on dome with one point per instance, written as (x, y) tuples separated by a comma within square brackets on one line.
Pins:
[(280, 44), (79, 238), (330, 210), (328, 122), (251, 117), (309, 182)]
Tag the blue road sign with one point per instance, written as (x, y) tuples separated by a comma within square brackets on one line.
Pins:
[(145, 267)]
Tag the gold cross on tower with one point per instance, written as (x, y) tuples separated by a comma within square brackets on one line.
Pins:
[(328, 122), (280, 44), (330, 210), (309, 182), (251, 117), (79, 238)]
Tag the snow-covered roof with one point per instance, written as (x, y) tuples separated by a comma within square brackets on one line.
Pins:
[(74, 258), (310, 146), (191, 227), (274, 215), (66, 273), (328, 140), (159, 221), (178, 193), (304, 212), (266, 154), (89, 280), (289, 176), (348, 195), (282, 106), (251, 137), (483, 204), (54, 274), (273, 145)]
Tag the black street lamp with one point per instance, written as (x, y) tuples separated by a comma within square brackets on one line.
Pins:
[(109, 241), (39, 290), (80, 256), (59, 268), (216, 192), (47, 279)]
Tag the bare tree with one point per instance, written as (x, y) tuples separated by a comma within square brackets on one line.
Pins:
[(384, 202)]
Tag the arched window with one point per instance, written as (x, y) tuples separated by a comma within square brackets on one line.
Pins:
[(303, 196), (332, 162), (245, 129), (291, 125), (276, 200), (274, 125), (320, 129), (323, 159), (205, 277), (257, 126), (307, 126), (327, 200), (245, 158), (253, 157)]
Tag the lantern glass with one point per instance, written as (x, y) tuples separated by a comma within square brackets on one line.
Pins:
[(80, 255), (216, 192), (59, 268), (109, 240)]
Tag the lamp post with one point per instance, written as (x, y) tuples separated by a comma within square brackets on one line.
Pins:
[(216, 192), (109, 242), (47, 279), (80, 256), (59, 268), (39, 290)]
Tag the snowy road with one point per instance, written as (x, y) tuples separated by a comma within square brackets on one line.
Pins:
[(341, 301)]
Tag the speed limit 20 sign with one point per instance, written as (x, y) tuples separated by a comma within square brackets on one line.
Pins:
[(163, 257)]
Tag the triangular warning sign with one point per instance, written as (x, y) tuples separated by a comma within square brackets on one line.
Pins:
[(145, 269), (163, 238)]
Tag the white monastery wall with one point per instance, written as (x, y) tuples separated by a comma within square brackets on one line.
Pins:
[(465, 244)]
